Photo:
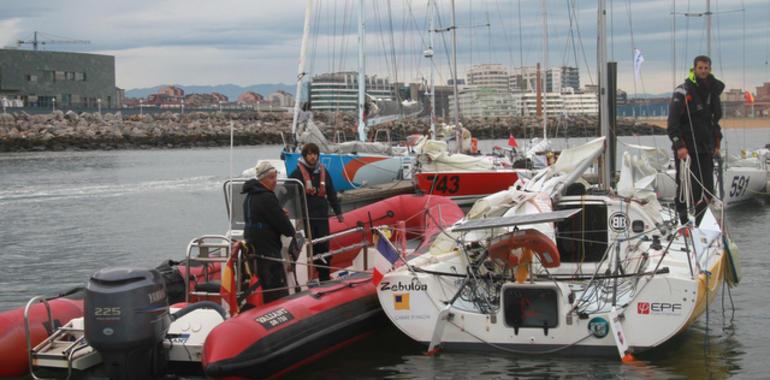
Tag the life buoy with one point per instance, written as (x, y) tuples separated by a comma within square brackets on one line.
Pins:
[(512, 248)]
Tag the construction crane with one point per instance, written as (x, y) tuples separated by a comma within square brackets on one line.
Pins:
[(48, 39)]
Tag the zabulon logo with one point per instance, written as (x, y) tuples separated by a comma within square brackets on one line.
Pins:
[(646, 308), (399, 287)]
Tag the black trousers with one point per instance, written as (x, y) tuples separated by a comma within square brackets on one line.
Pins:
[(319, 227), (271, 273), (702, 172)]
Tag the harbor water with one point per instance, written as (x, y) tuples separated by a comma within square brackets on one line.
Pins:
[(64, 215)]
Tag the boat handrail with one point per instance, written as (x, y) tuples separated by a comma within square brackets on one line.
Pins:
[(28, 333), (201, 242), (337, 234)]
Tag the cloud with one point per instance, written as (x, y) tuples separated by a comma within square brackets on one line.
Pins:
[(249, 41), (9, 29)]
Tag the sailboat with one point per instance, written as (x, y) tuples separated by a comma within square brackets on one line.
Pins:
[(548, 267), (355, 164)]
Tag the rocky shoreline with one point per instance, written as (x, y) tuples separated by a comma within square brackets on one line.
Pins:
[(57, 131)]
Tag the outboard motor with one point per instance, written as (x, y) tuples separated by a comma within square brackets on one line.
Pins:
[(126, 320)]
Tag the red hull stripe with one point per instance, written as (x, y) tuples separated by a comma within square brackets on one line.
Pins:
[(465, 183)]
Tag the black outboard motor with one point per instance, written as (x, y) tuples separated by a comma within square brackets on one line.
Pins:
[(126, 320)]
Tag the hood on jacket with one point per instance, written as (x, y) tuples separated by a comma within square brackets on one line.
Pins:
[(253, 186), (715, 83)]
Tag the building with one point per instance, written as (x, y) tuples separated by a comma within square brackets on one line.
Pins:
[(492, 76), (443, 93), (338, 92), (172, 91), (250, 97), (559, 79), (281, 98), (552, 104), (570, 78), (478, 102), (763, 92), (580, 104), (47, 78)]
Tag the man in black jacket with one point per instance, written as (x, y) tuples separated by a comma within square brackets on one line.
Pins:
[(265, 222), (320, 194), (693, 127)]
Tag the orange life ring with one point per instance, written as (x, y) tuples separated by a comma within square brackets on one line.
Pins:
[(502, 248)]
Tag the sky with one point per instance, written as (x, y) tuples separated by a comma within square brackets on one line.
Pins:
[(193, 42)]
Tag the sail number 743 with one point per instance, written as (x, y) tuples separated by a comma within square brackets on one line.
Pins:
[(444, 184)]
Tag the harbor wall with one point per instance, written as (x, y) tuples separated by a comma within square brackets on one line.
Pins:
[(94, 131)]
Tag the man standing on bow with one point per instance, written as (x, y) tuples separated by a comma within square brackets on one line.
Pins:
[(265, 222), (693, 127), (320, 194)]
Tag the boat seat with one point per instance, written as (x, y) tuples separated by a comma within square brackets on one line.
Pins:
[(208, 287)]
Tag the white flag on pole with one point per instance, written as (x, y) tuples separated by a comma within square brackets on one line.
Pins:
[(638, 60)]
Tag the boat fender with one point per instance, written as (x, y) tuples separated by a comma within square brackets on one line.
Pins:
[(199, 305)]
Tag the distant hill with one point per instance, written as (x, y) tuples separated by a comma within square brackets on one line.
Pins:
[(232, 91)]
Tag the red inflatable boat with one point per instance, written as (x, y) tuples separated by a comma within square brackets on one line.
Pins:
[(13, 346), (273, 339)]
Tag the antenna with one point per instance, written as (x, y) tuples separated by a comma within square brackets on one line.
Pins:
[(48, 39)]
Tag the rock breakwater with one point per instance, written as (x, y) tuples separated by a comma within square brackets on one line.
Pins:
[(94, 131)]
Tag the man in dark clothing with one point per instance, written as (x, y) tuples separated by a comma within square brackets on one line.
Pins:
[(320, 194), (265, 222), (693, 127)]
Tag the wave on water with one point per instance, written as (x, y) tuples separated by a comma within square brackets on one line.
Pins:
[(40, 193)]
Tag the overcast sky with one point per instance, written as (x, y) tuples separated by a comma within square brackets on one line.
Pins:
[(195, 42)]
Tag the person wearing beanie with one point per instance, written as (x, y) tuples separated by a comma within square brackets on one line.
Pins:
[(693, 127), (265, 222), (320, 194)]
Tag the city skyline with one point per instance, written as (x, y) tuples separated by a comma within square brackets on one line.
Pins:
[(240, 42)]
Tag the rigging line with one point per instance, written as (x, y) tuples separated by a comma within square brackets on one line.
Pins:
[(521, 48), (470, 22), (580, 39), (612, 29), (489, 36), (685, 53), (381, 34), (743, 45), (315, 25), (444, 41), (504, 30), (767, 50), (332, 41), (673, 44), (395, 58)]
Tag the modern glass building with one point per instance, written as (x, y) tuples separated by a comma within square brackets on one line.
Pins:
[(42, 78)]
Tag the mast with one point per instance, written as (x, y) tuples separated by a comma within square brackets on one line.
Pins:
[(601, 64), (545, 70), (458, 129), (361, 73), (429, 54), (301, 71)]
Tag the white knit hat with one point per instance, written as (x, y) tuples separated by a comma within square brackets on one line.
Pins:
[(263, 168)]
